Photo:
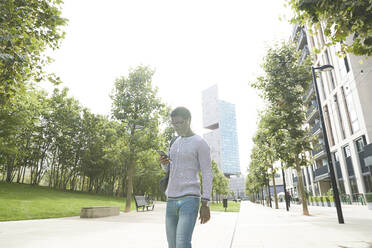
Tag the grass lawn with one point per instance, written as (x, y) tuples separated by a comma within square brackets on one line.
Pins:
[(231, 207), (25, 202)]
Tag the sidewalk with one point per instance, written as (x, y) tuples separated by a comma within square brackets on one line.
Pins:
[(142, 229), (260, 226), (256, 226)]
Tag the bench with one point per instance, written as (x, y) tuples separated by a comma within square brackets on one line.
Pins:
[(141, 202), (97, 212)]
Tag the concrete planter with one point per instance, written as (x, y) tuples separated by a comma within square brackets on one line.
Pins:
[(369, 205), (332, 204), (369, 200)]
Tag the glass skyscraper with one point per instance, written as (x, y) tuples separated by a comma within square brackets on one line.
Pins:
[(220, 117)]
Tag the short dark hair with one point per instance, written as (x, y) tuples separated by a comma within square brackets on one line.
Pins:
[(182, 112)]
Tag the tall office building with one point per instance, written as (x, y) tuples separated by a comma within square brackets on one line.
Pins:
[(220, 117), (346, 102)]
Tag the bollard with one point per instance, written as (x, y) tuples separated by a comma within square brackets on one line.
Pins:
[(224, 203)]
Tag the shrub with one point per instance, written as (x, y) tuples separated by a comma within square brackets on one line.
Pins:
[(368, 197), (330, 192)]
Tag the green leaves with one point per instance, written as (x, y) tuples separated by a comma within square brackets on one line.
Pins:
[(343, 19), (28, 28), (137, 107), (280, 135)]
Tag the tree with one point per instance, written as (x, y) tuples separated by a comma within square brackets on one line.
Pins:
[(28, 28), (220, 184), (264, 140), (63, 124), (343, 19), (137, 107), (258, 176), (285, 82)]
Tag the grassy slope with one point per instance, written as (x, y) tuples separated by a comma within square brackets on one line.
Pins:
[(24, 202)]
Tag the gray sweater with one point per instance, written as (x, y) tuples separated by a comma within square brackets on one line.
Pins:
[(188, 156)]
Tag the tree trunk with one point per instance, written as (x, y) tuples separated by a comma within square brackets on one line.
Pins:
[(10, 170), (275, 194), (19, 174), (83, 183), (23, 175), (302, 190), (129, 184)]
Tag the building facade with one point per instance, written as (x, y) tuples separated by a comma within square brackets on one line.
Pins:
[(346, 102), (220, 118)]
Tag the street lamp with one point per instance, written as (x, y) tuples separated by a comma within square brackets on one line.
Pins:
[(330, 165), (285, 190)]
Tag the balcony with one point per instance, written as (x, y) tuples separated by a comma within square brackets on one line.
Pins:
[(305, 52), (296, 28), (318, 150), (311, 111), (308, 95), (316, 128), (302, 40), (321, 173)]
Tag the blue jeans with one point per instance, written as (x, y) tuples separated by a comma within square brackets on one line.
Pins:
[(180, 220)]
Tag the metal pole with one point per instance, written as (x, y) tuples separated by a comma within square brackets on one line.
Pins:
[(330, 165), (285, 190)]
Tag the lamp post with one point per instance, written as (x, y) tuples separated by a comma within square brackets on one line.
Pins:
[(326, 144), (286, 198)]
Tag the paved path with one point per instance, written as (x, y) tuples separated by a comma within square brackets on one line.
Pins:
[(256, 226), (259, 226), (143, 229)]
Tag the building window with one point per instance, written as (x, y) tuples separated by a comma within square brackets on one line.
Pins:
[(346, 62), (341, 186), (321, 37), (330, 75), (368, 182), (339, 116), (316, 189), (360, 144), (337, 159), (350, 109), (354, 186), (329, 126), (347, 151)]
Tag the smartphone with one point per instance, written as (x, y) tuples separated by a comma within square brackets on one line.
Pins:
[(163, 154)]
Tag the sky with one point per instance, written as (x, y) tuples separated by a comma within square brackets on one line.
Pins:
[(192, 45)]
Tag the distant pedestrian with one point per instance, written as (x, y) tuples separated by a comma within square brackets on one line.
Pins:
[(188, 155), (288, 198)]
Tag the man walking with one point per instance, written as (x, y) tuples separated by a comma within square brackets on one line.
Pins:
[(188, 155)]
